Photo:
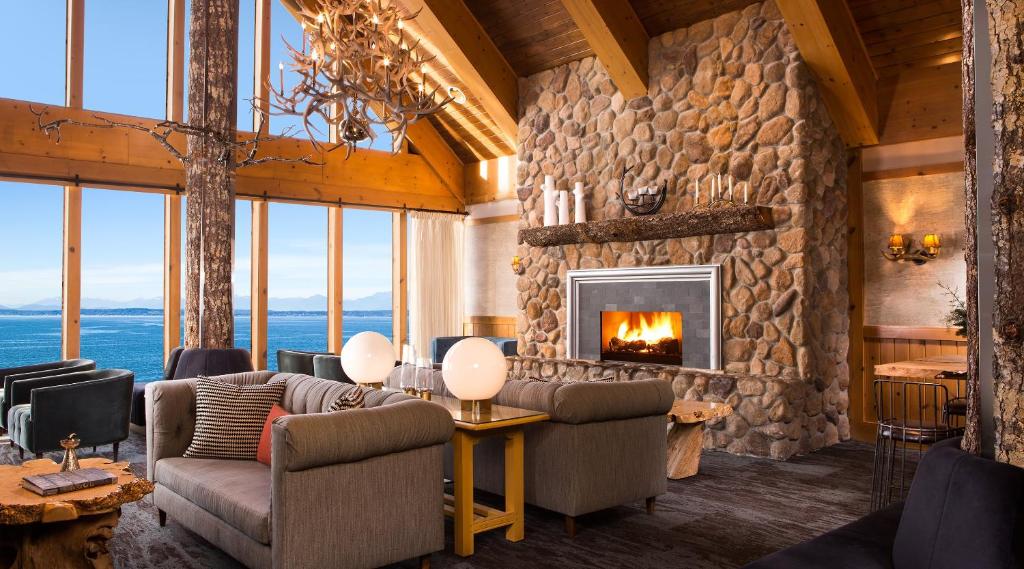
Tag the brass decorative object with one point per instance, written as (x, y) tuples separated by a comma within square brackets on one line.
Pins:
[(899, 249), (70, 462), (358, 66)]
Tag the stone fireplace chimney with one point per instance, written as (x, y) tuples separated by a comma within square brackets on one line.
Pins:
[(733, 96)]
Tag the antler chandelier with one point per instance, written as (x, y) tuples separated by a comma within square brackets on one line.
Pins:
[(357, 69)]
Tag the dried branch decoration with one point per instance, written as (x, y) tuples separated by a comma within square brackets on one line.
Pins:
[(360, 71), (240, 153)]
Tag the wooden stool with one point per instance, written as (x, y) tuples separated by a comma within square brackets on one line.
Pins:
[(686, 434)]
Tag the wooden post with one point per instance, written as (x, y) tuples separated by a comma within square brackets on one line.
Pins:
[(172, 203), (258, 275), (972, 432), (399, 272), (210, 179), (860, 394), (335, 284), (1005, 21), (71, 292)]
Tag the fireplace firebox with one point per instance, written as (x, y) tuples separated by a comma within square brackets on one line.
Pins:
[(643, 337)]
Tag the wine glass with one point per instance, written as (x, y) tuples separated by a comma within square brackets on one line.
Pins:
[(407, 377), (424, 376)]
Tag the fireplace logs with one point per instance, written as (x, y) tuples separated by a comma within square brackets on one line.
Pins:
[(645, 337)]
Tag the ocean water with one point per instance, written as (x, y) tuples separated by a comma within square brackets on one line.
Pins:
[(135, 341)]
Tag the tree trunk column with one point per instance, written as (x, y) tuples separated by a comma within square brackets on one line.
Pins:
[(1006, 37), (209, 174), (972, 433)]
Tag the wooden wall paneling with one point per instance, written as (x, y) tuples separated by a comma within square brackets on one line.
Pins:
[(496, 326), (830, 43), (71, 292), (172, 202), (887, 344), (399, 280), (335, 280), (258, 283), (616, 35)]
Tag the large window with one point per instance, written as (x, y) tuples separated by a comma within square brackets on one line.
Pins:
[(122, 281), (125, 57), (297, 279), (32, 51), (366, 272), (246, 61), (30, 273), (241, 274)]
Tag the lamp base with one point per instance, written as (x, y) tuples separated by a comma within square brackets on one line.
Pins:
[(374, 385), (476, 407), (424, 394)]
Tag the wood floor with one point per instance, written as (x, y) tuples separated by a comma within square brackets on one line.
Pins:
[(735, 510)]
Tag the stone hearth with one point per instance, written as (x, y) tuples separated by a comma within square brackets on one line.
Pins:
[(729, 95)]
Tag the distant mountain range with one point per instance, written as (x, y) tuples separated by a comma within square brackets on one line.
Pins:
[(315, 303)]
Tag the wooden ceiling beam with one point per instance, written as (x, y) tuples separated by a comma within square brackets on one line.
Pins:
[(830, 43), (129, 159), (449, 31), (619, 39)]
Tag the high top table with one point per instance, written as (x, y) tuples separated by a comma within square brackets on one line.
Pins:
[(472, 518), (68, 530)]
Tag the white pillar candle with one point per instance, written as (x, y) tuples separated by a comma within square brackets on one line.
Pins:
[(563, 207), (730, 187), (550, 213), (696, 192), (719, 186), (581, 208), (746, 185)]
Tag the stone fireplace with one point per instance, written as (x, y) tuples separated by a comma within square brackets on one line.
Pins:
[(731, 96), (605, 305)]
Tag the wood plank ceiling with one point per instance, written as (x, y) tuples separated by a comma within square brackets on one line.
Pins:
[(914, 47)]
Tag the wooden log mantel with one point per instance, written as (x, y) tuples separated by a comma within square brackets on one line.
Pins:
[(733, 219)]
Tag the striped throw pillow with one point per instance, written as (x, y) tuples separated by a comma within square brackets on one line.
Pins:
[(351, 399), (229, 418)]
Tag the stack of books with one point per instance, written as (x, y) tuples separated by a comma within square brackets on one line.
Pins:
[(60, 482)]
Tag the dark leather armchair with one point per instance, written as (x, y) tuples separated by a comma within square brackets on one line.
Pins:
[(328, 366), (93, 404), (191, 362), (7, 375), (297, 361), (962, 511)]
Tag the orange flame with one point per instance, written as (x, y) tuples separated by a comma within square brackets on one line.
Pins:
[(659, 327)]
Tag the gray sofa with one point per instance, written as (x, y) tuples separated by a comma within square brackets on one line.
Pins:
[(604, 446), (363, 485)]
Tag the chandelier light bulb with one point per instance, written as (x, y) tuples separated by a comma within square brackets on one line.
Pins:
[(280, 67), (387, 61), (314, 54), (376, 20), (401, 24), (319, 18)]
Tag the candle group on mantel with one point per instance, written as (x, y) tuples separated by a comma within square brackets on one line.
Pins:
[(556, 204), (717, 192)]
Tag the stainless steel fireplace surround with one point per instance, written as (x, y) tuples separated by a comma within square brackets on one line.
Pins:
[(693, 290)]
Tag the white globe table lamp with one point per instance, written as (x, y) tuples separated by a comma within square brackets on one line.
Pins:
[(474, 371), (368, 358)]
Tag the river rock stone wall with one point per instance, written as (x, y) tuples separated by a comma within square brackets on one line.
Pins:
[(727, 96)]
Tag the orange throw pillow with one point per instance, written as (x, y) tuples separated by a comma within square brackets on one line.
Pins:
[(263, 451)]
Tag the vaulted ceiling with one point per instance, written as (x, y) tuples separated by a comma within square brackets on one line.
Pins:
[(484, 45)]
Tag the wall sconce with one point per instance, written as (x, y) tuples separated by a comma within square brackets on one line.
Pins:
[(899, 249), (517, 265)]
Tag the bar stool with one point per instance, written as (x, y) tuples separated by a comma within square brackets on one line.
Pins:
[(909, 413)]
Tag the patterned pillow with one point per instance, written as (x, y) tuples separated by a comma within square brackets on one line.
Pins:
[(229, 418), (350, 399)]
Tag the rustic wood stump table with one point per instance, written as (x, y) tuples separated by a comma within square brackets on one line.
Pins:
[(67, 530), (686, 434)]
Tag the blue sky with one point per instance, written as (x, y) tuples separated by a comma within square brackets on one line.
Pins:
[(122, 235)]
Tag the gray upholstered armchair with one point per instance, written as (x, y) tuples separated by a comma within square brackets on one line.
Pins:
[(93, 404), (363, 485), (10, 374)]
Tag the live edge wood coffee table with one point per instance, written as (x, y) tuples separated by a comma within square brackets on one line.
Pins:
[(472, 518), (67, 530)]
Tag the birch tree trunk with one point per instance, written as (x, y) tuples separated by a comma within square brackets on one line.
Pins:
[(209, 174), (972, 433), (1006, 37)]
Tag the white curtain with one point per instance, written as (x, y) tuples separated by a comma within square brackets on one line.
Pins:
[(436, 270)]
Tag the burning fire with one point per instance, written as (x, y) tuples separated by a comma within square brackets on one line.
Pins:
[(650, 332)]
